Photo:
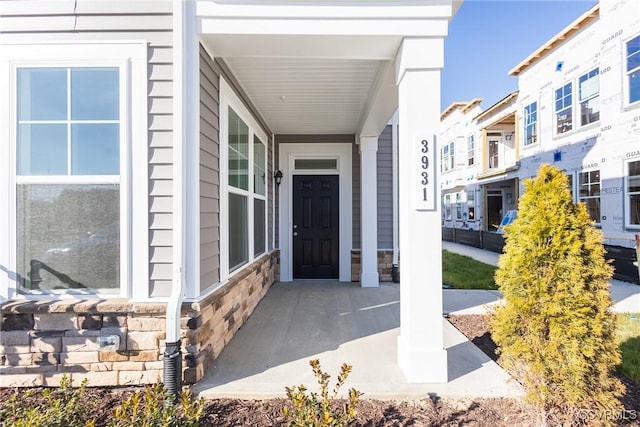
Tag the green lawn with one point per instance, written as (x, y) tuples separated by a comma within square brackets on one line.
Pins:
[(462, 272), (629, 339)]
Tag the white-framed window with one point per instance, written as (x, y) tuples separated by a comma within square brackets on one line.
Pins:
[(259, 197), (564, 108), (448, 156), (494, 153), (458, 206), (70, 125), (471, 205), (243, 192), (452, 155), (445, 158), (632, 69), (471, 150), (632, 190), (589, 97), (589, 192), (447, 207), (531, 124)]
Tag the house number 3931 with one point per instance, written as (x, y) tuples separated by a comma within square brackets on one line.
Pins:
[(426, 194)]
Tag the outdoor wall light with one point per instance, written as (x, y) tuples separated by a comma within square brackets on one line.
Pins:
[(278, 176)]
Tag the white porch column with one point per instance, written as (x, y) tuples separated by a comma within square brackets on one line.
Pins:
[(421, 353), (368, 212)]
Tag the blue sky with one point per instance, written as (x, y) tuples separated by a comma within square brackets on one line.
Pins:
[(487, 38)]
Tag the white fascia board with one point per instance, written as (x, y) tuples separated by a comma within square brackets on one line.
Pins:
[(317, 26), (365, 47), (264, 9)]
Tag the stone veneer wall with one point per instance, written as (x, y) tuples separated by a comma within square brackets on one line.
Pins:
[(385, 264), (40, 341)]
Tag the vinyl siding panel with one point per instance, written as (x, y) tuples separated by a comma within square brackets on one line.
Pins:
[(61, 7), (160, 221), (385, 190), (209, 171), (355, 168), (270, 196), (99, 20)]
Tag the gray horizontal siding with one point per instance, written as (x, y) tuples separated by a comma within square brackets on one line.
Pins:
[(99, 20), (355, 168), (385, 190), (209, 171)]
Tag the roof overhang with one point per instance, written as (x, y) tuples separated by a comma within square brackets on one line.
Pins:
[(566, 33), (464, 106), (496, 108), (319, 66)]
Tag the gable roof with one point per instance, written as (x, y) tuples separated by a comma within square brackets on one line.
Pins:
[(569, 31), (495, 107), (464, 106)]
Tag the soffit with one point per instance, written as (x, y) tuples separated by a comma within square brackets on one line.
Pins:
[(321, 68), (302, 96)]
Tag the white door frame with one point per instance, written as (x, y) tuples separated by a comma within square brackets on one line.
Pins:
[(288, 154)]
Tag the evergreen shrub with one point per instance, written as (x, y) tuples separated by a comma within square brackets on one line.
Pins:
[(555, 330)]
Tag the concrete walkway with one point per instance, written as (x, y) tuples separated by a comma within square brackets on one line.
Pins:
[(626, 295), (344, 323), (340, 323)]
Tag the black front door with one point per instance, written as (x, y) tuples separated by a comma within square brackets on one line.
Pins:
[(315, 226)]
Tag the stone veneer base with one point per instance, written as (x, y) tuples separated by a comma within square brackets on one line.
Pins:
[(385, 265), (41, 341)]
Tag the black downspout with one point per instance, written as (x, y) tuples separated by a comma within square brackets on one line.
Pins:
[(173, 369)]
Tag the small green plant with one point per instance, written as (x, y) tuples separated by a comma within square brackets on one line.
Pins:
[(152, 407), (555, 328), (313, 410), (61, 407)]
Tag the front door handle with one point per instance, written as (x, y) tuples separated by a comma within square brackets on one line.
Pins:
[(295, 233)]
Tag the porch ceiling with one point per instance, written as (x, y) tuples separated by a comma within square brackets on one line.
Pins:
[(307, 95), (312, 84), (314, 66)]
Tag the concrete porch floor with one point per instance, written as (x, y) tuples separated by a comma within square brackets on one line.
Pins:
[(340, 323)]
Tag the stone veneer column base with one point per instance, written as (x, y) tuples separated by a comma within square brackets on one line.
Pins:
[(41, 341), (385, 265)]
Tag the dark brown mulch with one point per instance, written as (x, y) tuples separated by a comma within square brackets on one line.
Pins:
[(377, 413), (476, 328), (431, 411), (99, 404)]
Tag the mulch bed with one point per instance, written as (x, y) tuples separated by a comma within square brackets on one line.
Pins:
[(476, 328), (431, 411)]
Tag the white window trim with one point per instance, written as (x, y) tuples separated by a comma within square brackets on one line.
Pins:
[(627, 196), (288, 154), (229, 99), (447, 207), (262, 197), (556, 134), (625, 76), (536, 125), (471, 152), (498, 138), (131, 58), (578, 106), (459, 207), (581, 199), (475, 209)]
